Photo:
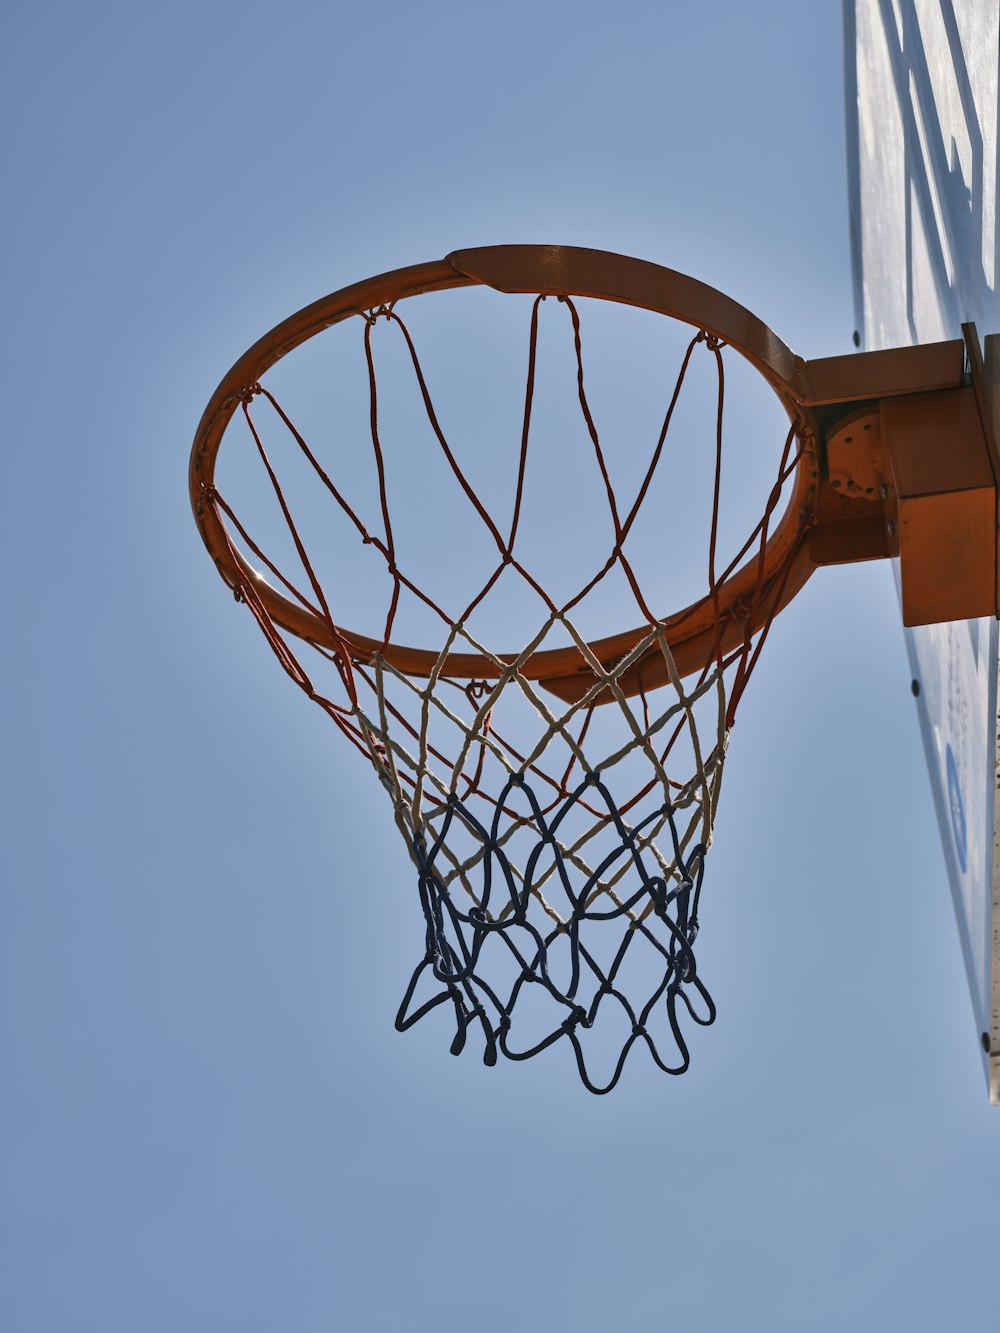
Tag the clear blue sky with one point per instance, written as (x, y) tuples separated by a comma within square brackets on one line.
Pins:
[(207, 1121)]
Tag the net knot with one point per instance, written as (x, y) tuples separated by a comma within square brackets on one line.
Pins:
[(383, 311), (378, 748), (684, 970), (658, 892), (711, 340), (577, 1018)]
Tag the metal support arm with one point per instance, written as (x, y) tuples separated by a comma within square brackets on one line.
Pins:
[(911, 471)]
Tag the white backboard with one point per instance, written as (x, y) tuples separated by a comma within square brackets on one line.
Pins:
[(922, 159)]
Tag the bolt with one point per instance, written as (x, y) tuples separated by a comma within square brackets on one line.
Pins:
[(986, 1042), (890, 527)]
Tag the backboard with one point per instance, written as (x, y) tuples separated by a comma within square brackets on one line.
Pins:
[(921, 140)]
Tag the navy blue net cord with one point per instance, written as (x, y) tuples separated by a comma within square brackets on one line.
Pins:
[(459, 942)]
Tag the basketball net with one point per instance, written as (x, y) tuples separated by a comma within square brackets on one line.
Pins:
[(559, 876)]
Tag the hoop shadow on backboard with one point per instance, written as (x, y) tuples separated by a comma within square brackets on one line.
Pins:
[(921, 100)]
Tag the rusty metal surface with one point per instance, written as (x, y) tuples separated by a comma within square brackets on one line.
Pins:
[(853, 453)]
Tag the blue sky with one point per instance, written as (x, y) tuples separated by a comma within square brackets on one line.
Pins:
[(207, 1120)]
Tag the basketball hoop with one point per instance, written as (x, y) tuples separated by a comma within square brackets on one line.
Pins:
[(559, 873)]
